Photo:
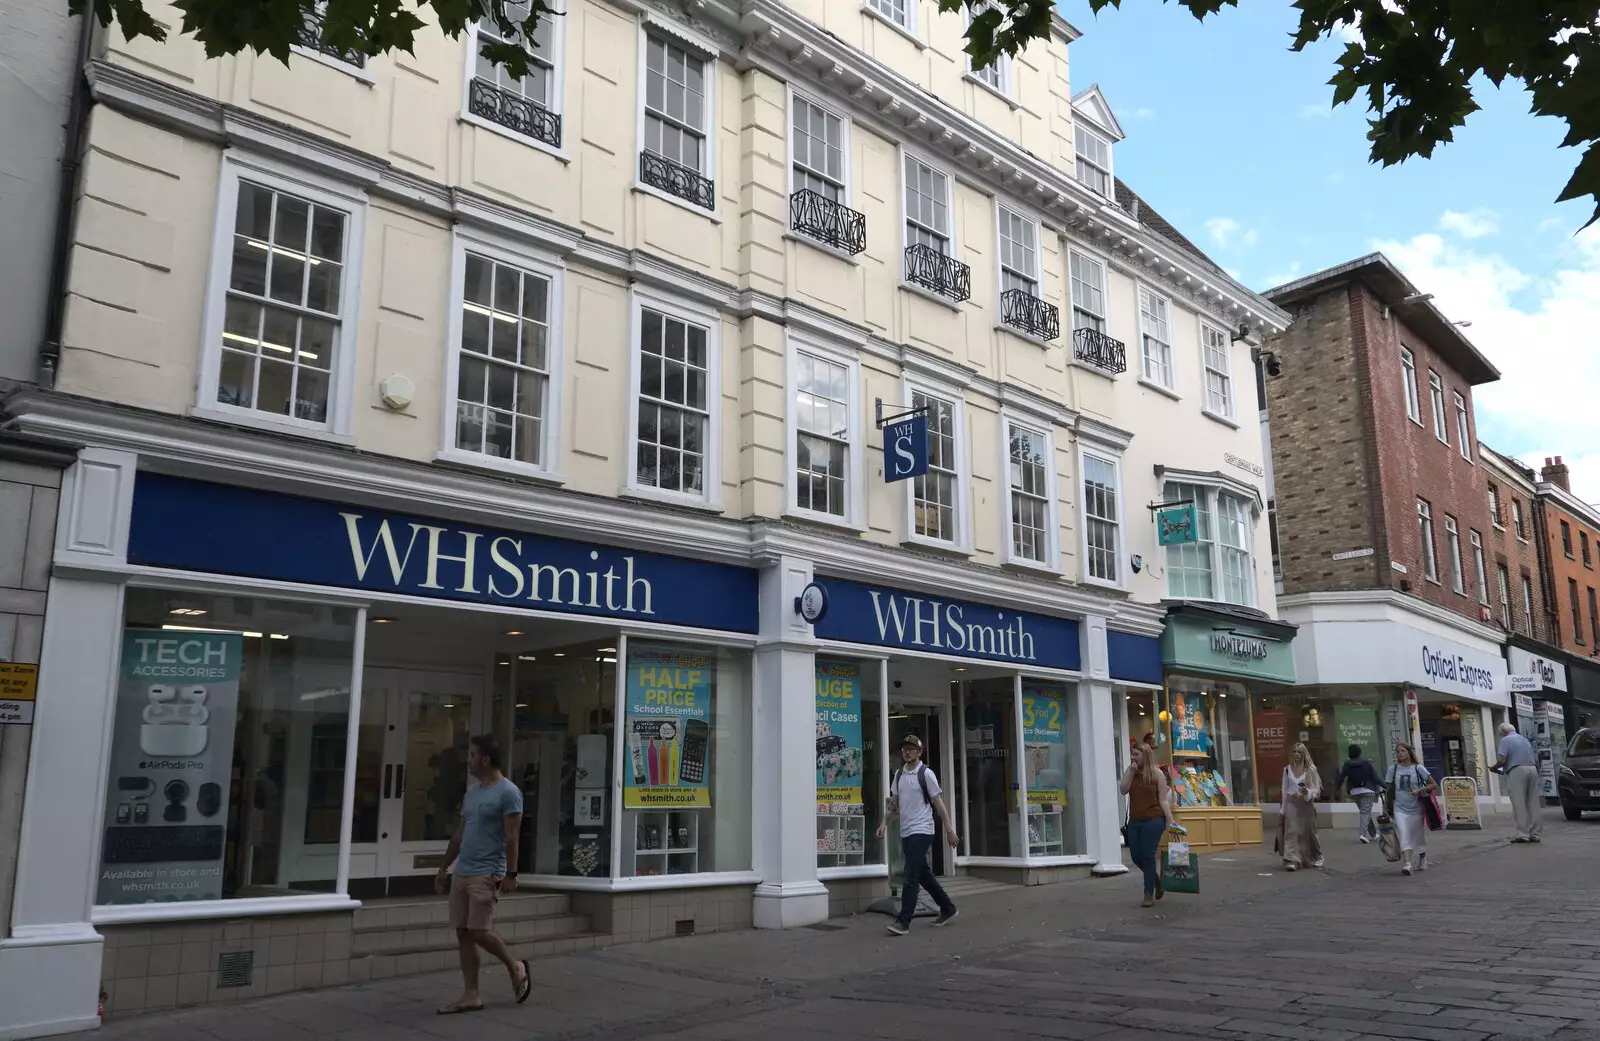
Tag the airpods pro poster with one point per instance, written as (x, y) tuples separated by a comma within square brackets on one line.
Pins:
[(166, 820)]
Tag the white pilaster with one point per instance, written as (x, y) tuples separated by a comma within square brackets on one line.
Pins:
[(1102, 816), (786, 749)]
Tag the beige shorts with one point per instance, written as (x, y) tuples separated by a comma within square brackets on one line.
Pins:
[(472, 900)]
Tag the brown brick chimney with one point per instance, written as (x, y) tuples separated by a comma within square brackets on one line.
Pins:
[(1555, 471)]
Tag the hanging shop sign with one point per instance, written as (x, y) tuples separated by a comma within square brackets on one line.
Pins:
[(171, 764), (1176, 526), (840, 754), (1044, 739), (218, 529), (1460, 804), (1549, 673), (905, 448), (915, 621), (19, 687), (669, 728)]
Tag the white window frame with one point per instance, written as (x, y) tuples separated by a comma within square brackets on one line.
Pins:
[(1452, 538), (908, 28), (1495, 506), (847, 189), (1527, 599), (1002, 87), (1208, 371), (1037, 274), (1441, 429), (855, 446), (1114, 460), (1169, 385), (1105, 289), (950, 209), (1475, 540), (1425, 532), (359, 72), (1408, 373), (1052, 520), (1078, 124), (653, 24), (341, 383), (538, 262), (1503, 574), (1212, 490), (558, 88), (1463, 430), (711, 319), (1517, 519), (963, 504)]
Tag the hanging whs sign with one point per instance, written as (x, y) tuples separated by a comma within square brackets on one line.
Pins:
[(905, 448), (1176, 526)]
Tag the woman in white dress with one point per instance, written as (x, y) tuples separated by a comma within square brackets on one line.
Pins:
[(1297, 808), (1408, 778)]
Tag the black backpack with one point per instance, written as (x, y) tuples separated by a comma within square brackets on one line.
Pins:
[(922, 780)]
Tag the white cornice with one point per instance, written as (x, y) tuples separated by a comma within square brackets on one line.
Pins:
[(1393, 600), (1571, 503), (1103, 435)]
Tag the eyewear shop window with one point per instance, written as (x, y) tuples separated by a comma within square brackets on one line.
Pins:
[(231, 729)]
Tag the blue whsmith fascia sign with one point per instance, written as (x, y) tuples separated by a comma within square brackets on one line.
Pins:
[(905, 448), (220, 529)]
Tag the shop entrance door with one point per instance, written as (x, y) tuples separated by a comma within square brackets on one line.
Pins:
[(927, 723), (412, 771)]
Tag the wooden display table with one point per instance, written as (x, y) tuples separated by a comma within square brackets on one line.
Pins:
[(1216, 828)]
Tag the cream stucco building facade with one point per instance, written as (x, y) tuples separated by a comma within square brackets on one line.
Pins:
[(429, 402)]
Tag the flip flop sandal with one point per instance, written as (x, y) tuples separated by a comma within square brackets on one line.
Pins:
[(454, 1010), (527, 983)]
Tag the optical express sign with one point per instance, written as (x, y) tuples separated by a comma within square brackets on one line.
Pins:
[(195, 526)]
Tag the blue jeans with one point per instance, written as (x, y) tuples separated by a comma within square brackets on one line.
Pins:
[(1143, 839), (919, 872)]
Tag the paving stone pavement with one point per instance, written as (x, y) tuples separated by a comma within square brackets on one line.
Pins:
[(1493, 942)]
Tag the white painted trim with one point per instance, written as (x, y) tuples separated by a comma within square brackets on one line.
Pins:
[(830, 874), (855, 511), (652, 23), (1052, 554), (1102, 453), (902, 153), (473, 119), (913, 383), (1141, 289), (1089, 127), (711, 320), (527, 259), (322, 191), (355, 72), (558, 83), (1002, 66), (1166, 392), (997, 207), (1230, 410), (908, 30), (311, 903), (1105, 296), (1072, 860), (846, 138), (649, 189)]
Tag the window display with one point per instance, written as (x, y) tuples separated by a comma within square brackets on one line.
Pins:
[(686, 760), (227, 749), (1209, 761), (993, 827), (847, 724)]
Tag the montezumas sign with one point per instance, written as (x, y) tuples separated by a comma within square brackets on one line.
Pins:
[(915, 621), (1238, 645), (196, 526)]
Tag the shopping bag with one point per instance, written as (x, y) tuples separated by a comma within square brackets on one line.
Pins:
[(1180, 869), (1388, 838), (1430, 811)]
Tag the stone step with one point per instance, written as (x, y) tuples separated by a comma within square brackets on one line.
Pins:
[(425, 912), (413, 939), (411, 963)]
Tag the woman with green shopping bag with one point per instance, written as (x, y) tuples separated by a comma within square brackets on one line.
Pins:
[(1149, 815)]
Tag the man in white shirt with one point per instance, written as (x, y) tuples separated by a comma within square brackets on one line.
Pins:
[(914, 794), (1522, 778)]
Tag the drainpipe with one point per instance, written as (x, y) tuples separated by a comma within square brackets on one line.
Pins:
[(61, 250)]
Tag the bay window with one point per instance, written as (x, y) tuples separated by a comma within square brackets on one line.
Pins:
[(1220, 563)]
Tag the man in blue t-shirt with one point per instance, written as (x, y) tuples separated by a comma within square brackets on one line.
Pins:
[(483, 852)]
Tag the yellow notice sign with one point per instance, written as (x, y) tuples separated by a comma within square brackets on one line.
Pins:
[(19, 686)]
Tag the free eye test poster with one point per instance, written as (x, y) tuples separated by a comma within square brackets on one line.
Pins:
[(839, 747), (1044, 738), (669, 728), (171, 756)]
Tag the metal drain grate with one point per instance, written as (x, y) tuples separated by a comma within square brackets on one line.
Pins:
[(235, 968), (826, 927), (685, 927)]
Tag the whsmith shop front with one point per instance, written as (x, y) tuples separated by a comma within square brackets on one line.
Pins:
[(266, 694), (1219, 747)]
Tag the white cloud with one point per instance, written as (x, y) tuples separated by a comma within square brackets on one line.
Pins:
[(1282, 278), (1474, 224), (1316, 110), (1225, 231), (1541, 331), (1140, 113)]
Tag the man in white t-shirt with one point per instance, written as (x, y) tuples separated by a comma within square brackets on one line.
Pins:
[(914, 795)]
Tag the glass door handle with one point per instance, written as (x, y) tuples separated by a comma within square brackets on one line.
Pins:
[(388, 778), (400, 780)]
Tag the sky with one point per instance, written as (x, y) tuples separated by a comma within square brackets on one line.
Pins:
[(1234, 139)]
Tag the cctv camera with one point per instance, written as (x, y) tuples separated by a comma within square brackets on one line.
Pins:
[(1274, 365)]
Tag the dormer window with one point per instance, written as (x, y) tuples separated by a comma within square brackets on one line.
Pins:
[(1094, 160)]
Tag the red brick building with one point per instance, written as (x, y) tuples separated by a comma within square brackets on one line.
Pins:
[(1382, 520)]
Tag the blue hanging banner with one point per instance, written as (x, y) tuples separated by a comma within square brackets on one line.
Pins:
[(905, 448)]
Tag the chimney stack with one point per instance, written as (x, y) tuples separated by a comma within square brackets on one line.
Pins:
[(1555, 471)]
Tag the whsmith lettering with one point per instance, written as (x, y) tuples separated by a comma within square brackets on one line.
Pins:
[(932, 623)]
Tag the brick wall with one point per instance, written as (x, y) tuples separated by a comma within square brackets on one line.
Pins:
[(1519, 556), (1566, 570), (1321, 445), (1349, 464)]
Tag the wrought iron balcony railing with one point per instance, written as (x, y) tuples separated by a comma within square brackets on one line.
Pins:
[(822, 218), (1022, 310), (930, 269), (514, 112), (674, 179), (310, 37), (1093, 347)]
